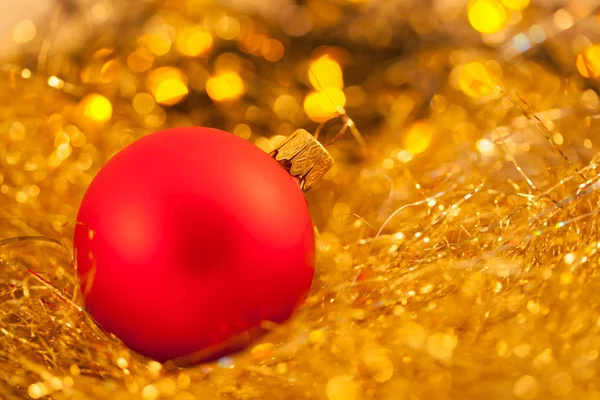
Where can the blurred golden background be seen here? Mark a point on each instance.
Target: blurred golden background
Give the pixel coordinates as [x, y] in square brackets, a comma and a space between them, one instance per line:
[457, 232]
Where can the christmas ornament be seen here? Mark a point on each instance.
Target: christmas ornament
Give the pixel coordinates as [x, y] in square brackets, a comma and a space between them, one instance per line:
[191, 237]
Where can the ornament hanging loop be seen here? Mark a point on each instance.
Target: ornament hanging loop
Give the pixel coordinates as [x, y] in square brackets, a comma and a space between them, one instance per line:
[348, 124]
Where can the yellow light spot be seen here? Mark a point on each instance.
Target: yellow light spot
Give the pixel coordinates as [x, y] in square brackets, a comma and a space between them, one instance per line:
[21, 197]
[388, 163]
[37, 390]
[74, 370]
[272, 50]
[150, 392]
[533, 307]
[253, 42]
[475, 80]
[418, 137]
[569, 258]
[398, 311]
[516, 5]
[441, 346]
[13, 157]
[154, 366]
[243, 131]
[262, 349]
[344, 261]
[281, 368]
[590, 98]
[413, 335]
[225, 86]
[140, 60]
[588, 62]
[342, 387]
[375, 359]
[486, 16]
[522, 350]
[587, 143]
[26, 74]
[195, 43]
[159, 45]
[56, 82]
[24, 31]
[121, 362]
[183, 381]
[96, 107]
[526, 388]
[485, 147]
[264, 144]
[566, 278]
[325, 73]
[285, 106]
[558, 138]
[170, 91]
[356, 95]
[227, 28]
[228, 62]
[438, 103]
[143, 103]
[321, 105]
[561, 384]
[563, 19]
[56, 383]
[34, 190]
[17, 131]
[317, 337]
[404, 156]
[168, 85]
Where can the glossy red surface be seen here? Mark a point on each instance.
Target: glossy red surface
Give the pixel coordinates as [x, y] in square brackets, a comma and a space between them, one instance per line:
[190, 236]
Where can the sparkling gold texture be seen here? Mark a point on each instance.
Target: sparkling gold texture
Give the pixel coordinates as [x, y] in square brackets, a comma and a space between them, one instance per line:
[457, 241]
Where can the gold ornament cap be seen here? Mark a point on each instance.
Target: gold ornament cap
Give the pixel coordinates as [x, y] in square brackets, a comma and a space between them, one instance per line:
[304, 157]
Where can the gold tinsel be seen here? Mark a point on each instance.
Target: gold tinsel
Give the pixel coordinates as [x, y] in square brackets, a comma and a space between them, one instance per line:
[457, 247]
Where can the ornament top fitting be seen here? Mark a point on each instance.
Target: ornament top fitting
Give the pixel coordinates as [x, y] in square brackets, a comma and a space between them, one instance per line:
[304, 157]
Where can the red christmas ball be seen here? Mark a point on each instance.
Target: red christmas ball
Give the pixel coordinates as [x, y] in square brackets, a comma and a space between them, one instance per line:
[190, 237]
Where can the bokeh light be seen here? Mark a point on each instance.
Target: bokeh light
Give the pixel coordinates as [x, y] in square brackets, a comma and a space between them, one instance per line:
[194, 42]
[487, 16]
[272, 50]
[588, 62]
[140, 60]
[225, 86]
[325, 73]
[170, 91]
[24, 31]
[97, 108]
[418, 137]
[475, 80]
[168, 85]
[322, 105]
[485, 146]
[516, 5]
[227, 28]
[143, 103]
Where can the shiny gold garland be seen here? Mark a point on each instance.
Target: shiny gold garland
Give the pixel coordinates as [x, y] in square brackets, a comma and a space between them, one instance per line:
[457, 250]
